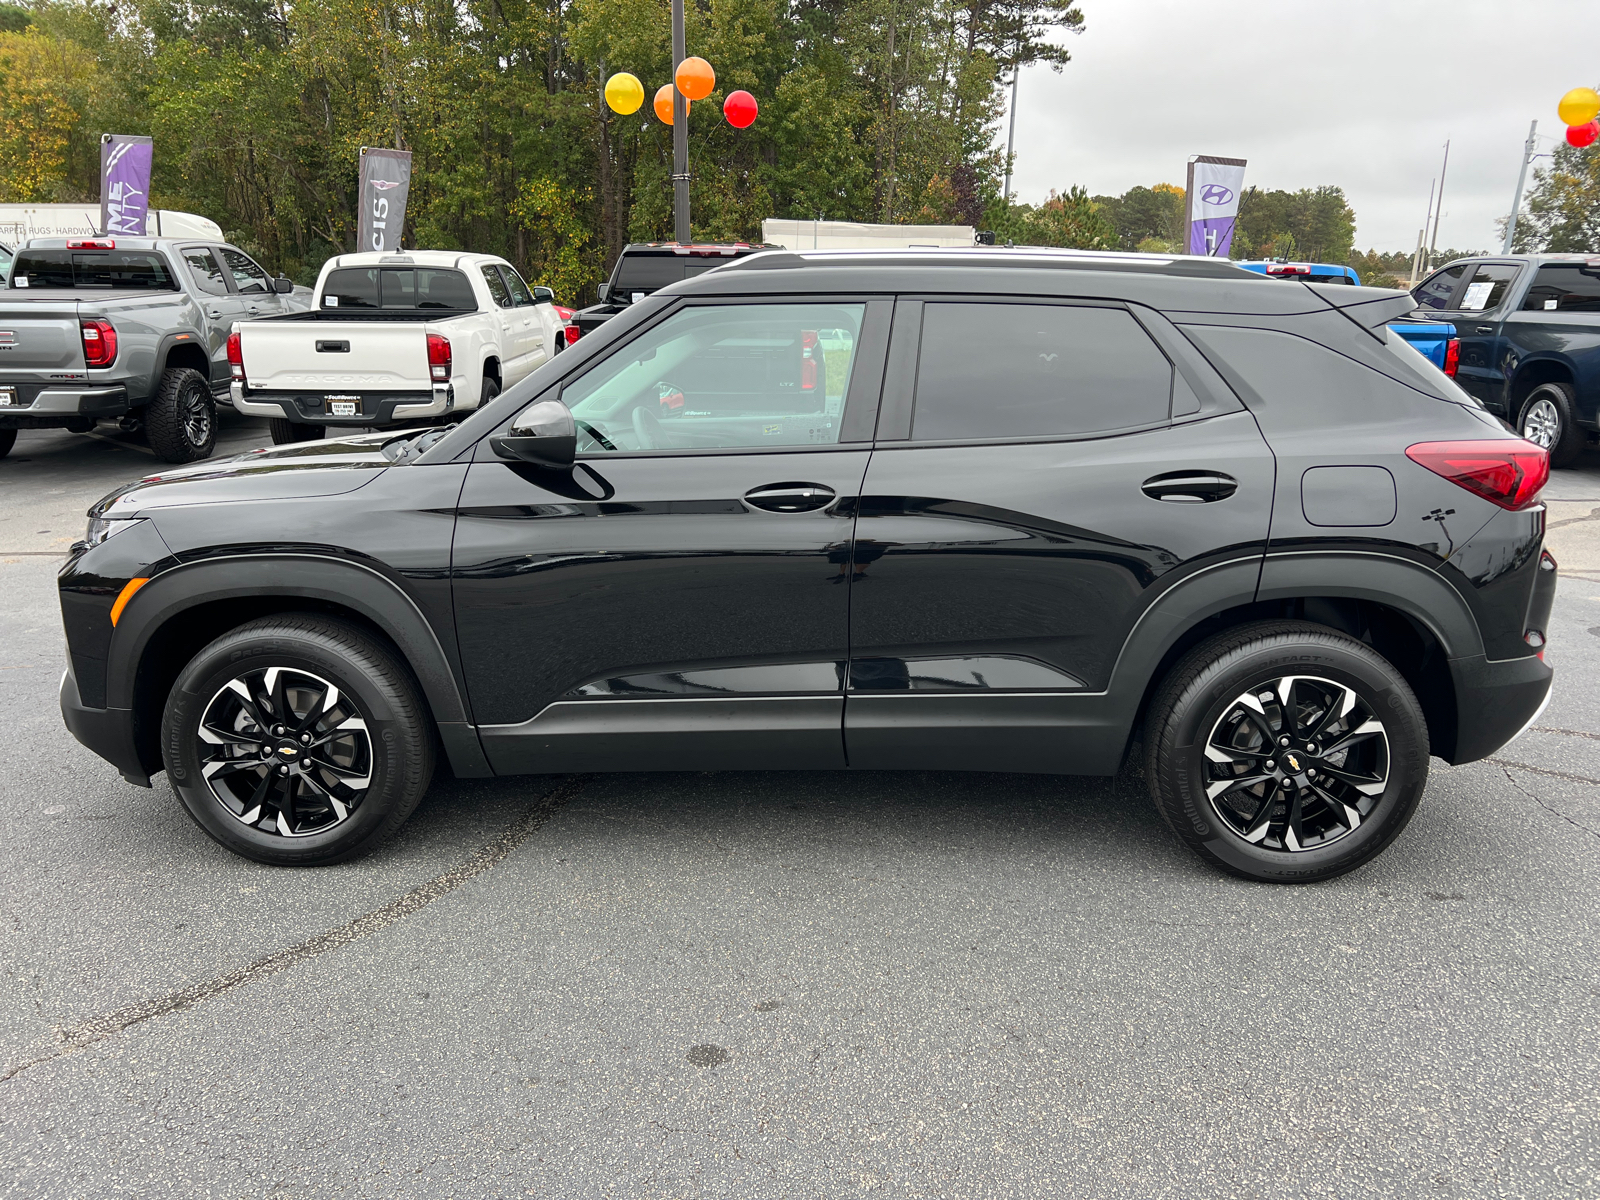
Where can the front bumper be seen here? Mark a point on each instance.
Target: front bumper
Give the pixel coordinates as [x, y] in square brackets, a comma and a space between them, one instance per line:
[56, 405]
[309, 408]
[1495, 701]
[106, 731]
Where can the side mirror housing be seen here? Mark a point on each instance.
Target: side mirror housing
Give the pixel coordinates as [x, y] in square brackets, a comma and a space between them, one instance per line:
[543, 295]
[603, 291]
[283, 285]
[543, 434]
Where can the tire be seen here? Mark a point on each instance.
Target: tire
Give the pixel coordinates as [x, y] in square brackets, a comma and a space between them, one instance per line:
[491, 389]
[285, 432]
[1549, 418]
[370, 754]
[180, 421]
[1201, 729]
[8, 439]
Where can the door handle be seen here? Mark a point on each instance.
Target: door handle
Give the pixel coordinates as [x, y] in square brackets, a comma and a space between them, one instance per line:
[1484, 329]
[213, 312]
[255, 308]
[1190, 487]
[790, 497]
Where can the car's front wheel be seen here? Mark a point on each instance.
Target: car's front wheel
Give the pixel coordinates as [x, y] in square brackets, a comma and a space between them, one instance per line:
[1286, 752]
[180, 421]
[1549, 418]
[297, 740]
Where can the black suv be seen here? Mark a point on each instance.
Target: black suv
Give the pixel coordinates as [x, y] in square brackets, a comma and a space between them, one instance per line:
[970, 510]
[644, 268]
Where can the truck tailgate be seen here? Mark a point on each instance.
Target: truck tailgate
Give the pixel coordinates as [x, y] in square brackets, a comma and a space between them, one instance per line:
[39, 338]
[335, 356]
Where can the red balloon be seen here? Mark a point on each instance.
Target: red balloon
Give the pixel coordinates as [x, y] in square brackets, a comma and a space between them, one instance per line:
[740, 109]
[1583, 135]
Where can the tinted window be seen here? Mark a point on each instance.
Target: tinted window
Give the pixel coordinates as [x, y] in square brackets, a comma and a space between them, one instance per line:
[1487, 287]
[751, 376]
[497, 286]
[119, 269]
[1036, 370]
[398, 288]
[1565, 288]
[519, 290]
[1435, 291]
[647, 272]
[247, 277]
[204, 271]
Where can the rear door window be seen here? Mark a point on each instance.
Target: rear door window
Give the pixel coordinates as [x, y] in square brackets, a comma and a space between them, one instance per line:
[1438, 289]
[496, 285]
[1487, 288]
[1565, 287]
[996, 371]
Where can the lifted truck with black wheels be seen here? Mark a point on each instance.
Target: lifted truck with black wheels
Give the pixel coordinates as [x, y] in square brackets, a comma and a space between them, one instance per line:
[127, 329]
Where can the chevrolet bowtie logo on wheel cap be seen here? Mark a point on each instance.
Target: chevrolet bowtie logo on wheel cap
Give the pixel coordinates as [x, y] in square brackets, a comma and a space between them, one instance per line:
[287, 751]
[1294, 763]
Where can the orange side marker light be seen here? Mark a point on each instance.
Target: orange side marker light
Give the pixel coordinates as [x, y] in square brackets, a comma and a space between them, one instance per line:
[128, 589]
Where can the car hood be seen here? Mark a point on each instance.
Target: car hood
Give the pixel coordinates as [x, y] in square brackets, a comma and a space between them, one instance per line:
[326, 468]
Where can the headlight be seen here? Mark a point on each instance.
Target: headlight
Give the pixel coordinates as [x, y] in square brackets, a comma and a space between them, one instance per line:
[100, 528]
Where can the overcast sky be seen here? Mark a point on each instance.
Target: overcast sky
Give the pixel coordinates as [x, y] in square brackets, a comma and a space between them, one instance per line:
[1357, 93]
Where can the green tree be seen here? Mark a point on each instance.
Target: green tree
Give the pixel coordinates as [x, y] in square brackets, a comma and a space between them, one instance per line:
[1562, 214]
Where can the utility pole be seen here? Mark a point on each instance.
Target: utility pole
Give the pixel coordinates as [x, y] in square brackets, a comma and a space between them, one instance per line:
[1438, 210]
[1422, 235]
[1011, 137]
[680, 133]
[1522, 178]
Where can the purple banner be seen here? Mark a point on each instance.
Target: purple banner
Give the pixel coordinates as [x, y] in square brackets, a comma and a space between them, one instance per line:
[125, 162]
[1212, 201]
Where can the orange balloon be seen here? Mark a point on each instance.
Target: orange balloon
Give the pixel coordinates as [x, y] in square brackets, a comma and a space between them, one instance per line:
[695, 78]
[663, 104]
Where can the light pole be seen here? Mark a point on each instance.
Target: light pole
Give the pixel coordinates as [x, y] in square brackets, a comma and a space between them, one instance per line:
[1522, 178]
[1011, 137]
[680, 133]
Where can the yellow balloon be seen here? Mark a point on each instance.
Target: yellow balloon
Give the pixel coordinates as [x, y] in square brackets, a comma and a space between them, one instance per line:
[624, 93]
[1579, 106]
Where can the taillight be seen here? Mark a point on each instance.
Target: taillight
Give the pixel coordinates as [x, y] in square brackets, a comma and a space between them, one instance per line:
[236, 355]
[1452, 357]
[573, 333]
[99, 343]
[1509, 472]
[439, 358]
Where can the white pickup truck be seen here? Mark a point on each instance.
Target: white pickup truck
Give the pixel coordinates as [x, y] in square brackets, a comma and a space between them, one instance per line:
[391, 339]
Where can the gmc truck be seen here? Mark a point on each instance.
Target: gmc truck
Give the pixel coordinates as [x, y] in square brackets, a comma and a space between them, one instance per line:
[645, 267]
[392, 339]
[133, 330]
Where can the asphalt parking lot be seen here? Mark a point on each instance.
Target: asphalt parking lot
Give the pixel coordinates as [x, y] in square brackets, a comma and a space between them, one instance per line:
[786, 984]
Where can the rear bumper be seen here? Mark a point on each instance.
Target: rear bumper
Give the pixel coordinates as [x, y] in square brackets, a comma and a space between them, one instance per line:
[57, 405]
[106, 731]
[1495, 701]
[308, 408]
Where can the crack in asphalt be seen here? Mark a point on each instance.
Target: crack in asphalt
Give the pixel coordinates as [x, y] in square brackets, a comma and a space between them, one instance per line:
[1568, 732]
[1593, 515]
[1508, 766]
[96, 1029]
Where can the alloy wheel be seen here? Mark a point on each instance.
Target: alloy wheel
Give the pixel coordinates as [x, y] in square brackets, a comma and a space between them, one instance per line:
[1296, 763]
[1541, 424]
[285, 751]
[197, 417]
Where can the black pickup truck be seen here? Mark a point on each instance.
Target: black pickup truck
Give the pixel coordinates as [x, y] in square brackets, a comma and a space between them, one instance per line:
[1530, 341]
[646, 267]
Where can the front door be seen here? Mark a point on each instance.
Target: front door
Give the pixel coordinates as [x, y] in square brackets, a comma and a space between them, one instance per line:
[1053, 474]
[681, 599]
[1481, 308]
[221, 305]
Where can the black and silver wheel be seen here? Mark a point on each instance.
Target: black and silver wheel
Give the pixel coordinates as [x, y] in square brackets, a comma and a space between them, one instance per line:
[1549, 419]
[296, 740]
[1286, 752]
[8, 439]
[180, 421]
[285, 432]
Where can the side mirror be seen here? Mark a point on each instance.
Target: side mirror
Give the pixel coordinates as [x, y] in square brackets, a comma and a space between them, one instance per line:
[543, 434]
[283, 285]
[543, 295]
[603, 291]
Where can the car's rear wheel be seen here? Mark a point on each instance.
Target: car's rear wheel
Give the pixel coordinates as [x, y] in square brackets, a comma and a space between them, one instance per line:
[180, 422]
[1286, 752]
[297, 740]
[8, 439]
[285, 432]
[1549, 419]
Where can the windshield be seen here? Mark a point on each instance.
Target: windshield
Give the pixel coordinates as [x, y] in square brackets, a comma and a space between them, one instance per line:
[121, 270]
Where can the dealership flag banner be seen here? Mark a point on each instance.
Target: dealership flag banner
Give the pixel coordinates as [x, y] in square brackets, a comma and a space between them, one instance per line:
[124, 183]
[385, 184]
[1213, 204]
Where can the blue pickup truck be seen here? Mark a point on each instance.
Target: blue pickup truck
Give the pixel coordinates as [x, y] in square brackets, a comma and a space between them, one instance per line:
[1530, 341]
[1435, 340]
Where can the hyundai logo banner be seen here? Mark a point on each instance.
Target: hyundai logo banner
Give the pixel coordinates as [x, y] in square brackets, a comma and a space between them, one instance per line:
[1213, 204]
[125, 162]
[385, 184]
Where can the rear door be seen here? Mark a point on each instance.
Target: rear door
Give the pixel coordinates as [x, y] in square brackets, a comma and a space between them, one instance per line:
[220, 303]
[505, 318]
[1482, 305]
[681, 599]
[1042, 472]
[530, 346]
